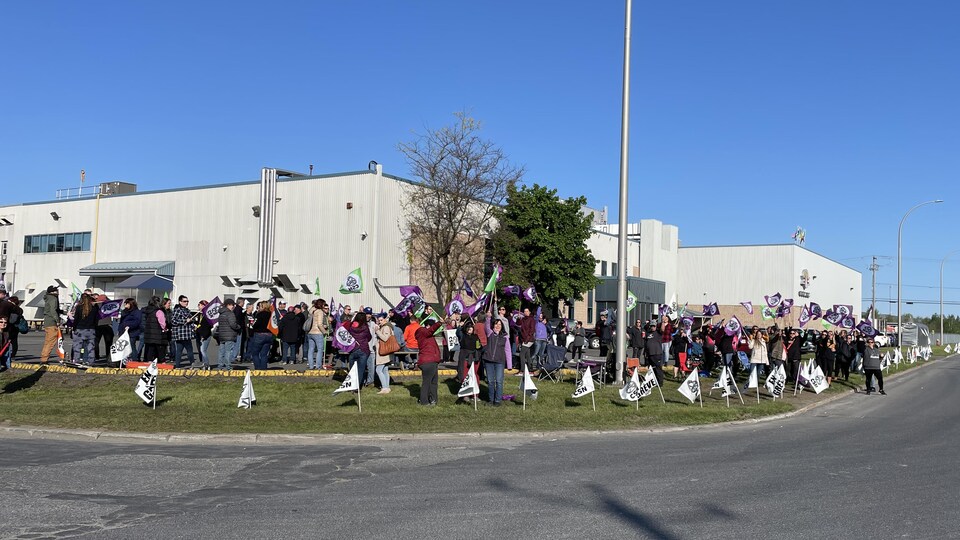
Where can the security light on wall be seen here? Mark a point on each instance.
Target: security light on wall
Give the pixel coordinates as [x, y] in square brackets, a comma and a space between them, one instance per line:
[55, 216]
[256, 211]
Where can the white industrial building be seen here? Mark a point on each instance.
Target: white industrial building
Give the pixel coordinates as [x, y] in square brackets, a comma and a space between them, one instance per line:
[729, 275]
[282, 234]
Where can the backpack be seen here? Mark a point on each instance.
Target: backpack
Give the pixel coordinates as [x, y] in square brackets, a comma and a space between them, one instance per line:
[308, 322]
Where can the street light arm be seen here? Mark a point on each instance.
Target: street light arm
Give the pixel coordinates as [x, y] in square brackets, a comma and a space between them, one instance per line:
[900, 266]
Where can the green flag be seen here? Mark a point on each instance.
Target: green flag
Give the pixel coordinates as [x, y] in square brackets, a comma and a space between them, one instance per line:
[492, 284]
[826, 325]
[631, 301]
[316, 290]
[75, 291]
[353, 283]
[166, 295]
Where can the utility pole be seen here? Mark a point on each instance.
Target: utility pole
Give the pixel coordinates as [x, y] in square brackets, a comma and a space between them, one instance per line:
[873, 286]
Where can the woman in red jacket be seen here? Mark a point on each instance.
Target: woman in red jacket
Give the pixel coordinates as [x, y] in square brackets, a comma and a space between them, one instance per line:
[428, 360]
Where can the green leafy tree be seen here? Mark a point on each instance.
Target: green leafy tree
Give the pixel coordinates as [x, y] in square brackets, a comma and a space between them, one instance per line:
[541, 240]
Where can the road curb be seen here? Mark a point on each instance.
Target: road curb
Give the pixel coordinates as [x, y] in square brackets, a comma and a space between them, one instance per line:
[299, 439]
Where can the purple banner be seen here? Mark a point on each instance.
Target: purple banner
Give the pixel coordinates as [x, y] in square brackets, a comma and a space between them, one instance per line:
[815, 311]
[774, 300]
[211, 312]
[747, 306]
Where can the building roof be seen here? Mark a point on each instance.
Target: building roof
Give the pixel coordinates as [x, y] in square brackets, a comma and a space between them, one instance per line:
[164, 268]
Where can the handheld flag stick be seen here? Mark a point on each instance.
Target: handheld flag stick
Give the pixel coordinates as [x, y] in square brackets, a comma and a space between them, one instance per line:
[359, 408]
[699, 392]
[661, 395]
[155, 390]
[796, 383]
[737, 388]
[594, 401]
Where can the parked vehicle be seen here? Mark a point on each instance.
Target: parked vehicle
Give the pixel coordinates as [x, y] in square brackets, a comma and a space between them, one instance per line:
[882, 340]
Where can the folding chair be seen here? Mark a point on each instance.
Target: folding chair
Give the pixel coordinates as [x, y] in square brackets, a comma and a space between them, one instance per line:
[632, 364]
[598, 368]
[551, 363]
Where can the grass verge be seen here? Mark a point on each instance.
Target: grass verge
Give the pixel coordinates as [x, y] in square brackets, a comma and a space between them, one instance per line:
[299, 405]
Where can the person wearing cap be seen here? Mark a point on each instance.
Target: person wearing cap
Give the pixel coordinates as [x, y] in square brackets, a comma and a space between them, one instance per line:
[51, 322]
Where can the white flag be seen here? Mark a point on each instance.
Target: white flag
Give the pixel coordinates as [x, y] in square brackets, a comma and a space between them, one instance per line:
[818, 382]
[584, 385]
[690, 387]
[947, 349]
[776, 381]
[121, 349]
[806, 372]
[724, 383]
[469, 386]
[351, 383]
[648, 384]
[527, 384]
[147, 385]
[898, 355]
[753, 381]
[247, 396]
[631, 390]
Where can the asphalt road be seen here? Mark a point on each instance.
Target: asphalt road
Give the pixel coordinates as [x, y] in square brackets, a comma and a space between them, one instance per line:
[859, 467]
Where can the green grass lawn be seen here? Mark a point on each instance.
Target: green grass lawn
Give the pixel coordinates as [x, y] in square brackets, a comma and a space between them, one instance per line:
[302, 405]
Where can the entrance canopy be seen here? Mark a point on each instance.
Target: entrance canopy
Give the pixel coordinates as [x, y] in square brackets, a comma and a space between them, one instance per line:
[156, 283]
[121, 269]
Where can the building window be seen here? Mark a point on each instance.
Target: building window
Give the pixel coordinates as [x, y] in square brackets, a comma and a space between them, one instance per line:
[590, 306]
[614, 269]
[603, 268]
[56, 243]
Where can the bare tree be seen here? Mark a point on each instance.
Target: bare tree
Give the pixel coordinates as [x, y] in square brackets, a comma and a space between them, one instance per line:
[461, 180]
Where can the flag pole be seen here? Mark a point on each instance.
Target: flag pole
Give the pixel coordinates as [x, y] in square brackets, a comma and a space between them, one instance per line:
[155, 381]
[661, 393]
[699, 391]
[737, 388]
[359, 387]
[796, 383]
[594, 401]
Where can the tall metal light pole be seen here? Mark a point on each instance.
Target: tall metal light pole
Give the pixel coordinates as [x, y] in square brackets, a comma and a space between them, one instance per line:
[943, 260]
[900, 267]
[622, 229]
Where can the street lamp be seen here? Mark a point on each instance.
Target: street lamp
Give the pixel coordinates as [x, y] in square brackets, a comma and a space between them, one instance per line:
[900, 267]
[943, 260]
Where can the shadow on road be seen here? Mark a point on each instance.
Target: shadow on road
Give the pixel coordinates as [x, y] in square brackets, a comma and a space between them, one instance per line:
[24, 383]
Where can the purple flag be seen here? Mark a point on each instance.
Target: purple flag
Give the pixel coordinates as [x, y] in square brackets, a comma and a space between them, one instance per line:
[847, 322]
[467, 289]
[471, 310]
[843, 309]
[664, 309]
[530, 294]
[832, 317]
[787, 303]
[773, 301]
[109, 309]
[711, 310]
[455, 306]
[406, 290]
[211, 312]
[815, 311]
[409, 304]
[783, 310]
[804, 316]
[343, 340]
[732, 327]
[511, 290]
[866, 328]
[499, 272]
[746, 305]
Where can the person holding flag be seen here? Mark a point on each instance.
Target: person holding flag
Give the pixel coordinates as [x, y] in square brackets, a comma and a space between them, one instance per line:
[871, 366]
[51, 322]
[495, 358]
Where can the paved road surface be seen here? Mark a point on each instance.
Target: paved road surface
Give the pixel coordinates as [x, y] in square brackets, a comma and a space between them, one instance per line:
[860, 467]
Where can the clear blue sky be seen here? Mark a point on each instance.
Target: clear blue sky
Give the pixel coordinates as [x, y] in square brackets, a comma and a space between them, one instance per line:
[749, 118]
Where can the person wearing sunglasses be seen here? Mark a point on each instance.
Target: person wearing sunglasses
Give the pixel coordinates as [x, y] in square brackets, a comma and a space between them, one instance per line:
[871, 366]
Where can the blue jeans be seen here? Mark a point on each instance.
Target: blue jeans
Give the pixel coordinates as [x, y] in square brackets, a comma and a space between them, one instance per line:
[258, 349]
[178, 348]
[136, 347]
[539, 348]
[383, 373]
[371, 366]
[360, 358]
[288, 352]
[236, 350]
[314, 349]
[83, 345]
[226, 354]
[494, 381]
[204, 358]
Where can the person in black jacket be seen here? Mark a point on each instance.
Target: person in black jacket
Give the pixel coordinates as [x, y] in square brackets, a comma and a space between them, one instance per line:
[653, 347]
[154, 323]
[204, 332]
[131, 321]
[291, 325]
[845, 353]
[792, 346]
[635, 339]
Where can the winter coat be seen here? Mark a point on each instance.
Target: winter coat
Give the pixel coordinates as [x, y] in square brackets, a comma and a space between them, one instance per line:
[635, 337]
[429, 351]
[227, 326]
[321, 325]
[182, 327]
[290, 327]
[496, 350]
[204, 329]
[261, 322]
[759, 354]
[579, 337]
[51, 310]
[653, 346]
[470, 347]
[152, 333]
[383, 334]
[132, 321]
[528, 329]
[361, 333]
[90, 321]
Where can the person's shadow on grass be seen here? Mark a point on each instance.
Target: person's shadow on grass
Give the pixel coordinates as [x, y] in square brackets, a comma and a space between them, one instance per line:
[23, 383]
[160, 402]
